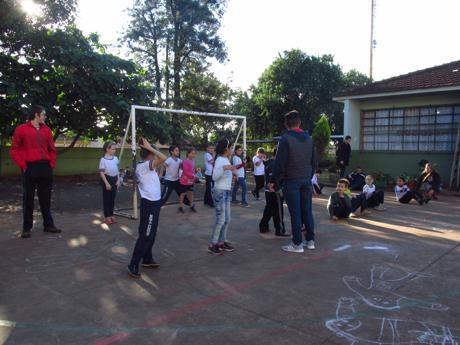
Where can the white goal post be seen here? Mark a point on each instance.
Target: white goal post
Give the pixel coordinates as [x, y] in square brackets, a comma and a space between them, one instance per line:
[132, 126]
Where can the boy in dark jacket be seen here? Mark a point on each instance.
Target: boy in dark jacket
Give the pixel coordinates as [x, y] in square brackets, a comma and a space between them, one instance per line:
[274, 203]
[339, 204]
[343, 155]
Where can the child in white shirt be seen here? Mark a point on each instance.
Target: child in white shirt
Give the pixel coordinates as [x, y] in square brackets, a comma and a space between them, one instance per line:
[150, 191]
[222, 176]
[374, 198]
[110, 180]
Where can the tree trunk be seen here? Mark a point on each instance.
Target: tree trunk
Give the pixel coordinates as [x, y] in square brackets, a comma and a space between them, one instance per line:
[72, 144]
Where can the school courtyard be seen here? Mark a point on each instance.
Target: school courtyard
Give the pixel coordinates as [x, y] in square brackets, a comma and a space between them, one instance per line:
[391, 277]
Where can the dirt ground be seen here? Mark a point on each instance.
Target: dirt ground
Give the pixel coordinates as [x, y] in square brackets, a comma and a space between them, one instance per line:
[391, 277]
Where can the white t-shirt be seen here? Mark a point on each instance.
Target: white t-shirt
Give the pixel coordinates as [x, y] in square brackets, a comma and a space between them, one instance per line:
[172, 168]
[208, 160]
[222, 178]
[258, 170]
[237, 161]
[314, 180]
[368, 190]
[400, 191]
[148, 181]
[109, 166]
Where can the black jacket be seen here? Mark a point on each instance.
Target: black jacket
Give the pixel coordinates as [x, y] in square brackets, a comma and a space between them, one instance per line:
[295, 157]
[343, 153]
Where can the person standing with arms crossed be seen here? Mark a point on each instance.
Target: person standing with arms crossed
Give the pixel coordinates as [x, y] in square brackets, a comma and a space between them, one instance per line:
[343, 155]
[295, 163]
[34, 152]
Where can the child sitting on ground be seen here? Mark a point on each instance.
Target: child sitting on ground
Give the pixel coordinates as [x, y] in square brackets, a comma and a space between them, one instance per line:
[317, 187]
[339, 204]
[357, 201]
[374, 198]
[150, 191]
[357, 179]
[403, 193]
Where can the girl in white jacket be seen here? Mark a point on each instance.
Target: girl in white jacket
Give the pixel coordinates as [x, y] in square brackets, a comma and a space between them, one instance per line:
[222, 176]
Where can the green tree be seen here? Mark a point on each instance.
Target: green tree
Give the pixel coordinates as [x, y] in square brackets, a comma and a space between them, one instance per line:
[167, 36]
[321, 135]
[297, 81]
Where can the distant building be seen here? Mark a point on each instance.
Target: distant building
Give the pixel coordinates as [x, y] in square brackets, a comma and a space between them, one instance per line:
[397, 122]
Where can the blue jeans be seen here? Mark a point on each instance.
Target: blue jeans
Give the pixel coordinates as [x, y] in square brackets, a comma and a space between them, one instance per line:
[241, 181]
[298, 194]
[222, 204]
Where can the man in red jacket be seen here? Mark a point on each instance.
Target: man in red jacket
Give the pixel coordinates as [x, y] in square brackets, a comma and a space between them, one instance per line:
[34, 152]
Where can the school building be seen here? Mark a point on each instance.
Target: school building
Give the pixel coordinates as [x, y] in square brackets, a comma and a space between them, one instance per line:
[397, 122]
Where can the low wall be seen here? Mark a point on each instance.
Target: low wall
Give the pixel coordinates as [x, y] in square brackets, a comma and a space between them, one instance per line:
[78, 161]
[396, 163]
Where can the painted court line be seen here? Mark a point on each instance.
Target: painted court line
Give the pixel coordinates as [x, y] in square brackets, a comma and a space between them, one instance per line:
[203, 303]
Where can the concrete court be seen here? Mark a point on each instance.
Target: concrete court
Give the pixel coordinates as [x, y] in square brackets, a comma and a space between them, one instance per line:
[391, 277]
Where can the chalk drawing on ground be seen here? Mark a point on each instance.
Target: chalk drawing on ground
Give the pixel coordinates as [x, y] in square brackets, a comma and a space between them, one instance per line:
[384, 328]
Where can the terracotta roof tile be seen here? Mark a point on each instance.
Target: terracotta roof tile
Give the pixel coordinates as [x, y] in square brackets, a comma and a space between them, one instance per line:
[434, 77]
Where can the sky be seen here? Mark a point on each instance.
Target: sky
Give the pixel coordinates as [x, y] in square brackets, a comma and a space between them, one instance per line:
[410, 34]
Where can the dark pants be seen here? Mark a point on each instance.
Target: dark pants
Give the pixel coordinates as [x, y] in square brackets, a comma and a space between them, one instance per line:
[298, 194]
[377, 198]
[273, 208]
[342, 168]
[406, 198]
[38, 175]
[148, 224]
[359, 201]
[260, 182]
[208, 192]
[357, 185]
[108, 196]
[341, 211]
[318, 188]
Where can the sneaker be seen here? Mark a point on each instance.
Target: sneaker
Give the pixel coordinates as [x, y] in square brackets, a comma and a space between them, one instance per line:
[353, 215]
[380, 208]
[226, 246]
[150, 264]
[52, 229]
[133, 272]
[25, 234]
[193, 209]
[181, 210]
[291, 247]
[245, 205]
[308, 244]
[215, 250]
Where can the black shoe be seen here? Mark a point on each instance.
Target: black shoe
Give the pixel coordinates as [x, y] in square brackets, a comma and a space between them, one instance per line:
[254, 195]
[192, 208]
[427, 201]
[215, 250]
[25, 234]
[264, 231]
[420, 201]
[52, 229]
[227, 247]
[134, 272]
[181, 210]
[150, 264]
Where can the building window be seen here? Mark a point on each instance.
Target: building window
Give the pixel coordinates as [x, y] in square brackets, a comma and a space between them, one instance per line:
[410, 129]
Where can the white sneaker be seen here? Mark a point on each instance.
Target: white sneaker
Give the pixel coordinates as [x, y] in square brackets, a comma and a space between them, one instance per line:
[291, 247]
[380, 208]
[308, 244]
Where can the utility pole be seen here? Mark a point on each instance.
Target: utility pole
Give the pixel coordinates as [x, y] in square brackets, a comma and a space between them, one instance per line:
[372, 42]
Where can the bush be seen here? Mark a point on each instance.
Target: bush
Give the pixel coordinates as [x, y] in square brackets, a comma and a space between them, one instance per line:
[321, 135]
